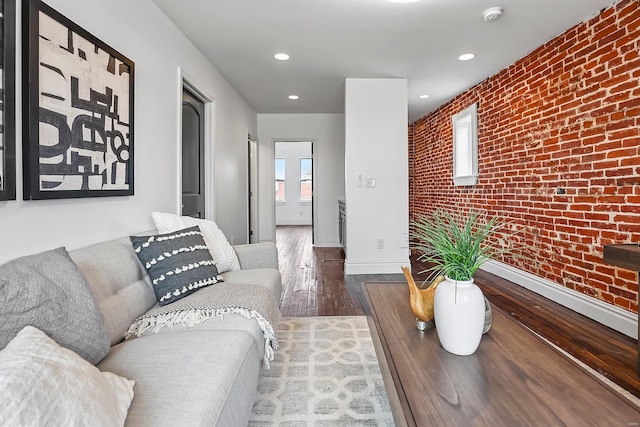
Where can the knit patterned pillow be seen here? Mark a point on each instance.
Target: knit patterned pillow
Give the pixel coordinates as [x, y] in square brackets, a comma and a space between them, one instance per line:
[178, 263]
[48, 292]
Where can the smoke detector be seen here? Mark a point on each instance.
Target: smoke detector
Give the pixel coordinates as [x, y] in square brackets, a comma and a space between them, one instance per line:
[492, 14]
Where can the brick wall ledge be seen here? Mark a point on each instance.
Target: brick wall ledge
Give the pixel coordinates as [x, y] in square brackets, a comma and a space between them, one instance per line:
[609, 315]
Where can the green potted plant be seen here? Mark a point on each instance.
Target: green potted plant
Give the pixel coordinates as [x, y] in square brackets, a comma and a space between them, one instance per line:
[455, 246]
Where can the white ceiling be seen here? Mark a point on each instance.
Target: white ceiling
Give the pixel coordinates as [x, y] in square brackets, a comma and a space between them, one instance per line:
[330, 40]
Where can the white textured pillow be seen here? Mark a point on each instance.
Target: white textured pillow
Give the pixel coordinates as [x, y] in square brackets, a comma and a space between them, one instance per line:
[42, 383]
[221, 251]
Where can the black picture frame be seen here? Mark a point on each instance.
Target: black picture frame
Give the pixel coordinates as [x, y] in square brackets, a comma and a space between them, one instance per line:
[8, 101]
[77, 110]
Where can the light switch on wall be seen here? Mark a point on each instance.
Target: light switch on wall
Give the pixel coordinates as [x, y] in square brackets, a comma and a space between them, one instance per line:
[370, 183]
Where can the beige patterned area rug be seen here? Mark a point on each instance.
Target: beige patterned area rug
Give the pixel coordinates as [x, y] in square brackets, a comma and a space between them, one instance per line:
[325, 374]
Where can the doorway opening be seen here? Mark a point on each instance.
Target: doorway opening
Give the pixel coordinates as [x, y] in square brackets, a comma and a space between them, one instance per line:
[193, 147]
[294, 184]
[252, 167]
[195, 184]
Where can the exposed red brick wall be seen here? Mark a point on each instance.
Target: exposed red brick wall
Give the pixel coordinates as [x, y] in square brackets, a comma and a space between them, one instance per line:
[411, 166]
[565, 118]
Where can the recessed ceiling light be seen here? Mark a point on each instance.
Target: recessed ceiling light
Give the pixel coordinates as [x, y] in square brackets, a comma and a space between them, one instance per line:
[294, 97]
[281, 56]
[424, 96]
[466, 56]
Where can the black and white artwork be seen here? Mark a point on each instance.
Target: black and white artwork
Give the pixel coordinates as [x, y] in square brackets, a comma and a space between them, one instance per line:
[79, 114]
[7, 100]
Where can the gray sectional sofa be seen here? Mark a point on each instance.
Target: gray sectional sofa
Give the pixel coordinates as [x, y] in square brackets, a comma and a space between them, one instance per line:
[200, 375]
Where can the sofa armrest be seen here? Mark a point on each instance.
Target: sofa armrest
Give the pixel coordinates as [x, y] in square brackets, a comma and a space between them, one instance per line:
[257, 255]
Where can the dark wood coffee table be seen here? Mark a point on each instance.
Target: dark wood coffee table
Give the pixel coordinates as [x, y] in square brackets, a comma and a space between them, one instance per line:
[514, 379]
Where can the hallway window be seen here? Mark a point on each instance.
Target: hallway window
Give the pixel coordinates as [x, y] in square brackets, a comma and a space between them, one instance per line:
[306, 179]
[465, 146]
[280, 177]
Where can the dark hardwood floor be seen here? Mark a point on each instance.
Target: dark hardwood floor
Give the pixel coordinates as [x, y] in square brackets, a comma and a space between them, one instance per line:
[312, 278]
[314, 285]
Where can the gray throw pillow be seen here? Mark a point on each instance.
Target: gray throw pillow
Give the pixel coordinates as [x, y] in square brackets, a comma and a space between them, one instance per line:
[48, 292]
[178, 263]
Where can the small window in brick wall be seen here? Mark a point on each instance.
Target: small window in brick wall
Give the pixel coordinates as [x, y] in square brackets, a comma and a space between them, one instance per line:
[465, 146]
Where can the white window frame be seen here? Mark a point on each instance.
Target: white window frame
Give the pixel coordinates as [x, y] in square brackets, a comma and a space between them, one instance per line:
[465, 141]
[304, 202]
[284, 181]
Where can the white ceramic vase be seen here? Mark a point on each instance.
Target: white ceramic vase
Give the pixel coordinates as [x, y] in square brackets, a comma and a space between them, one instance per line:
[459, 312]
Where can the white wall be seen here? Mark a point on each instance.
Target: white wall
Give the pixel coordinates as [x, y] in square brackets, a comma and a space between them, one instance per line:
[139, 30]
[327, 131]
[293, 211]
[376, 147]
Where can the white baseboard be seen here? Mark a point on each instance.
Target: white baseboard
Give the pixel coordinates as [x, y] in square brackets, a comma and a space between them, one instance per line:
[375, 267]
[614, 317]
[293, 222]
[327, 245]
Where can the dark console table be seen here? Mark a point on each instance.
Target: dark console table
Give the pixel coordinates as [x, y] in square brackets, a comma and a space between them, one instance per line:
[514, 379]
[625, 256]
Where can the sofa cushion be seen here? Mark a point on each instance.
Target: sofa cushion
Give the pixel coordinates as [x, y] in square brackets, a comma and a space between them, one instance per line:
[267, 277]
[118, 282]
[270, 278]
[228, 322]
[257, 255]
[178, 263]
[48, 291]
[221, 251]
[42, 383]
[193, 378]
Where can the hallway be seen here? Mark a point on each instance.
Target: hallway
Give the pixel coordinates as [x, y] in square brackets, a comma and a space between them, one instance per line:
[312, 278]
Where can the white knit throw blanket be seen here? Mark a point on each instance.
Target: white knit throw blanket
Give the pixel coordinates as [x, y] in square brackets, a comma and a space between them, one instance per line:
[251, 301]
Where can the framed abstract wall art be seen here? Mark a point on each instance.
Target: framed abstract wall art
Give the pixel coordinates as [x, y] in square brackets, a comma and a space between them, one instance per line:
[7, 100]
[78, 110]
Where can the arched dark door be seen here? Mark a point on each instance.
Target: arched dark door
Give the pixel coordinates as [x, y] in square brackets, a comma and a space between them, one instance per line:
[193, 183]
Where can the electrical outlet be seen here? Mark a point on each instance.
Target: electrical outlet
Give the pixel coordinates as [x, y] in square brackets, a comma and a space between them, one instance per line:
[370, 183]
[380, 243]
